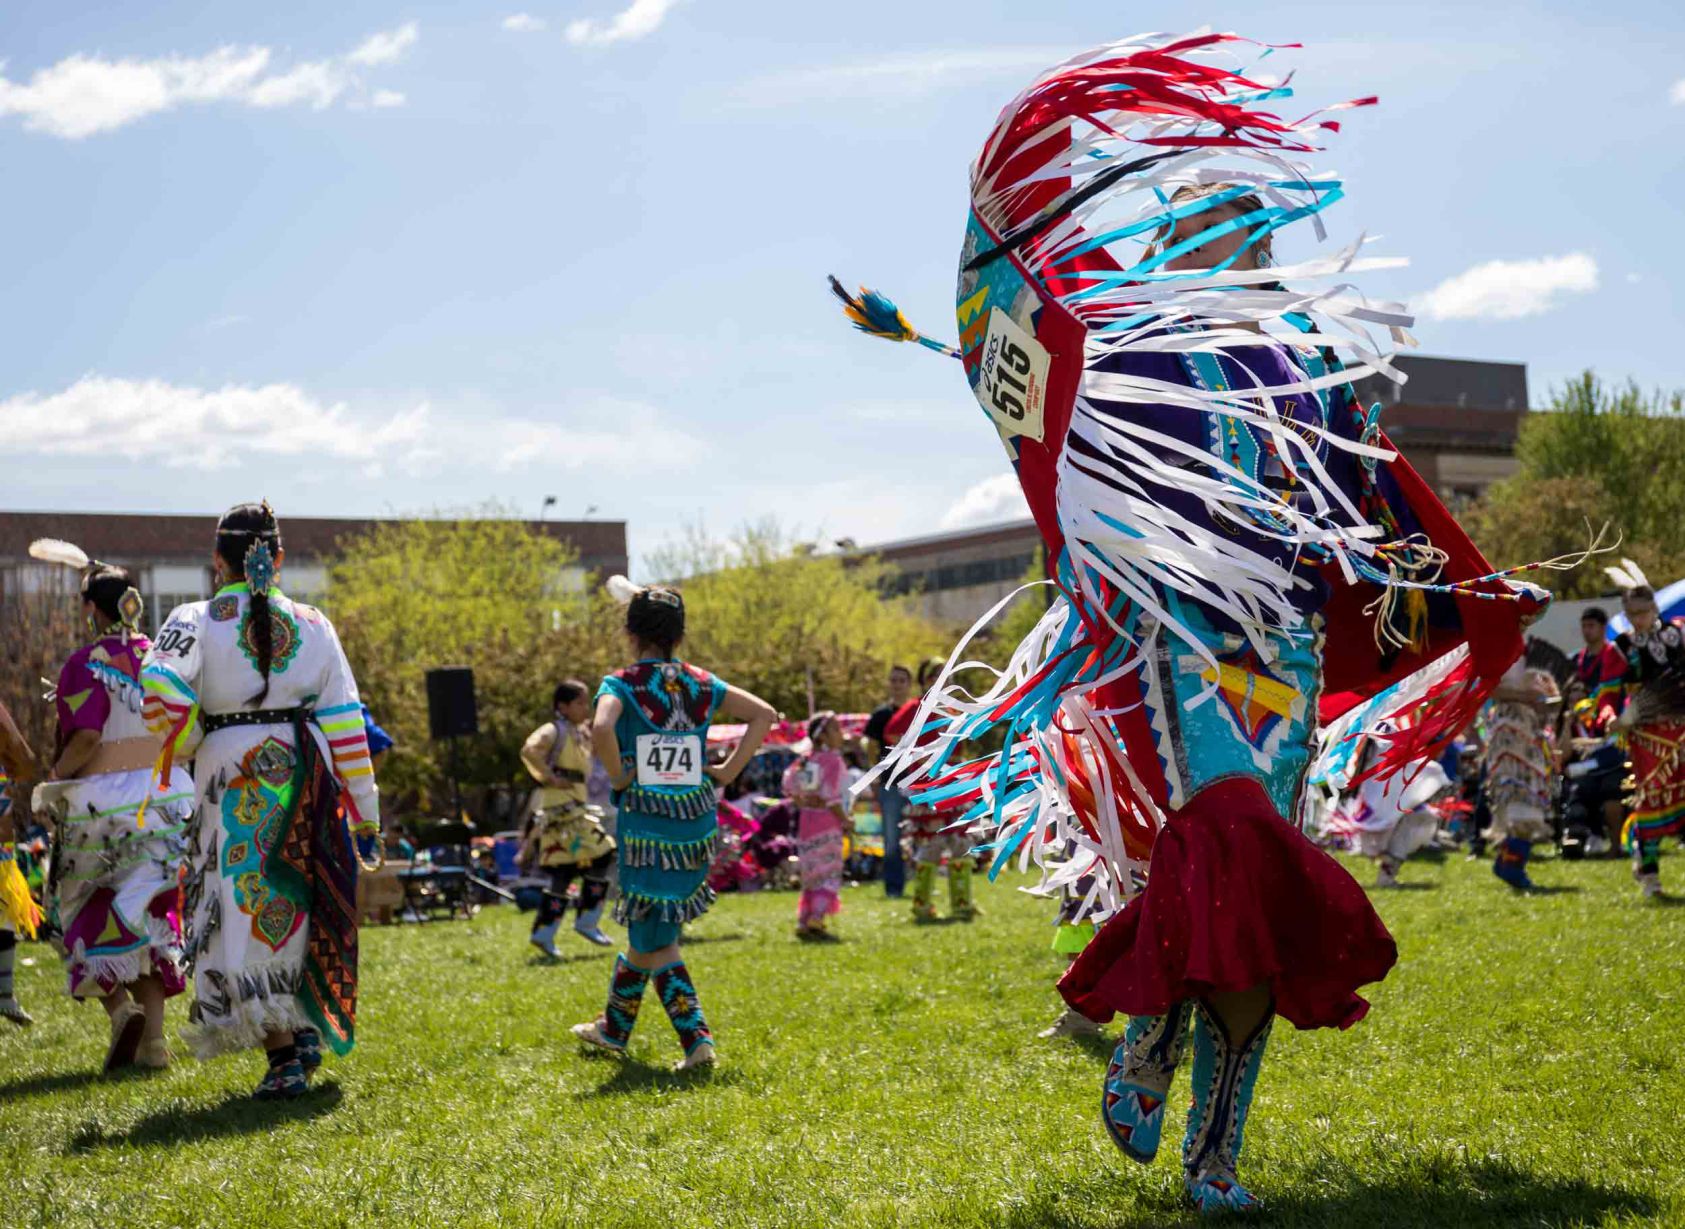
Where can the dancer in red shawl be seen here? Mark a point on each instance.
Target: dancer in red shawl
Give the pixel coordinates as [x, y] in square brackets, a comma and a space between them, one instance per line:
[1238, 552]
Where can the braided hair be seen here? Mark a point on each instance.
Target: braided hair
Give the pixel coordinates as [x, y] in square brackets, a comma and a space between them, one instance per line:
[112, 591]
[248, 541]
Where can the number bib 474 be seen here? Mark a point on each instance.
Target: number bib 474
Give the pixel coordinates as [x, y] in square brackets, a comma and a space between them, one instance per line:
[670, 760]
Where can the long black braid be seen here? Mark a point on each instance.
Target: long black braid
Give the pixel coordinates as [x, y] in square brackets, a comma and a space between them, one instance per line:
[242, 528]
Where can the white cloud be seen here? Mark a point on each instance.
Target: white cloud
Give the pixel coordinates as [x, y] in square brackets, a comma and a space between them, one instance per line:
[901, 76]
[385, 46]
[83, 95]
[639, 19]
[989, 502]
[524, 23]
[1509, 289]
[318, 83]
[387, 98]
[1676, 95]
[179, 427]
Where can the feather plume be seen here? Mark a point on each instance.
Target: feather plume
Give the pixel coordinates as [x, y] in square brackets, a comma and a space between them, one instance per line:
[53, 550]
[1626, 574]
[17, 907]
[876, 314]
[621, 589]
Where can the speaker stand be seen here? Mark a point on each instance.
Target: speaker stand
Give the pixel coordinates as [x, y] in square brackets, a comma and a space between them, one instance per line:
[456, 782]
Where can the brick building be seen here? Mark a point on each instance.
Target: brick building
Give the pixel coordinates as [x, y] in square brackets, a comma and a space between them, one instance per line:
[1455, 419]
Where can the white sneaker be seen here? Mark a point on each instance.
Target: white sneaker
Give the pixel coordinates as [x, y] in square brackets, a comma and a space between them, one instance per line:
[593, 934]
[1070, 1024]
[591, 1033]
[1596, 846]
[1386, 876]
[544, 939]
[1649, 885]
[11, 1010]
[701, 1056]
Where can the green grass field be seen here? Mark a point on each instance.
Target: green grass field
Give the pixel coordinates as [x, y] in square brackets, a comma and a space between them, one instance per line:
[1521, 1067]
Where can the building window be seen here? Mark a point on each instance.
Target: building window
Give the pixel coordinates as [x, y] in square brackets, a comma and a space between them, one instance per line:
[962, 575]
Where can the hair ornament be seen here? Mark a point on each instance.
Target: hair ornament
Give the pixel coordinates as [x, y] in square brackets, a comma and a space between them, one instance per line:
[621, 589]
[259, 566]
[130, 607]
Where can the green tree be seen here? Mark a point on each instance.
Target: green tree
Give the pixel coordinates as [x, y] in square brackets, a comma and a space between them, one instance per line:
[40, 626]
[1595, 455]
[483, 591]
[772, 615]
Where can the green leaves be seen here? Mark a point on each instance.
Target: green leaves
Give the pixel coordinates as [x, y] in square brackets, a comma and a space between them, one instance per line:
[485, 591]
[764, 612]
[771, 614]
[1595, 454]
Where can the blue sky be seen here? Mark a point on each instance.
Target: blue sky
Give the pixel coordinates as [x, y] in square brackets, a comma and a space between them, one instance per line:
[366, 258]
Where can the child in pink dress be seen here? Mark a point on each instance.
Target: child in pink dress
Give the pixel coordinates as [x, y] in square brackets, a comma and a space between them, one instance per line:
[816, 783]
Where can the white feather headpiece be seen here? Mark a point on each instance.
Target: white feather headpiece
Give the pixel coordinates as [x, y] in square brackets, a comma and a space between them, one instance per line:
[1627, 575]
[53, 550]
[622, 590]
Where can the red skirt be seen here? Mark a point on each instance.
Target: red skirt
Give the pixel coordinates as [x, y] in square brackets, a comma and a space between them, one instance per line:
[1236, 897]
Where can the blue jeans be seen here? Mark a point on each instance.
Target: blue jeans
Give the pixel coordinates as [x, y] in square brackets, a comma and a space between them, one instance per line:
[890, 801]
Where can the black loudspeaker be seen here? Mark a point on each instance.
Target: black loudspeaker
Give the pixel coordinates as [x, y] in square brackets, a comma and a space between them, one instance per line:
[451, 710]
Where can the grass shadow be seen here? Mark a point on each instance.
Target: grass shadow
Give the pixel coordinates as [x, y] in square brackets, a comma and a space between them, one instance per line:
[1415, 886]
[1553, 889]
[62, 1081]
[540, 961]
[631, 1078]
[736, 936]
[236, 1114]
[1466, 1193]
[1441, 1192]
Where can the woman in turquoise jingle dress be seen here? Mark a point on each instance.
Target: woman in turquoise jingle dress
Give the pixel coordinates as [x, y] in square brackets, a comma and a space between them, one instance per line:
[651, 733]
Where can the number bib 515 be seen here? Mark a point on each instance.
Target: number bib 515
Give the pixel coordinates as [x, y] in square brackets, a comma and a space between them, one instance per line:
[670, 760]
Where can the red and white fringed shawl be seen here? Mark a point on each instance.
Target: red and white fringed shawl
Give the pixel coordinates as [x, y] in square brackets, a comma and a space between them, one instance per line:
[1070, 192]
